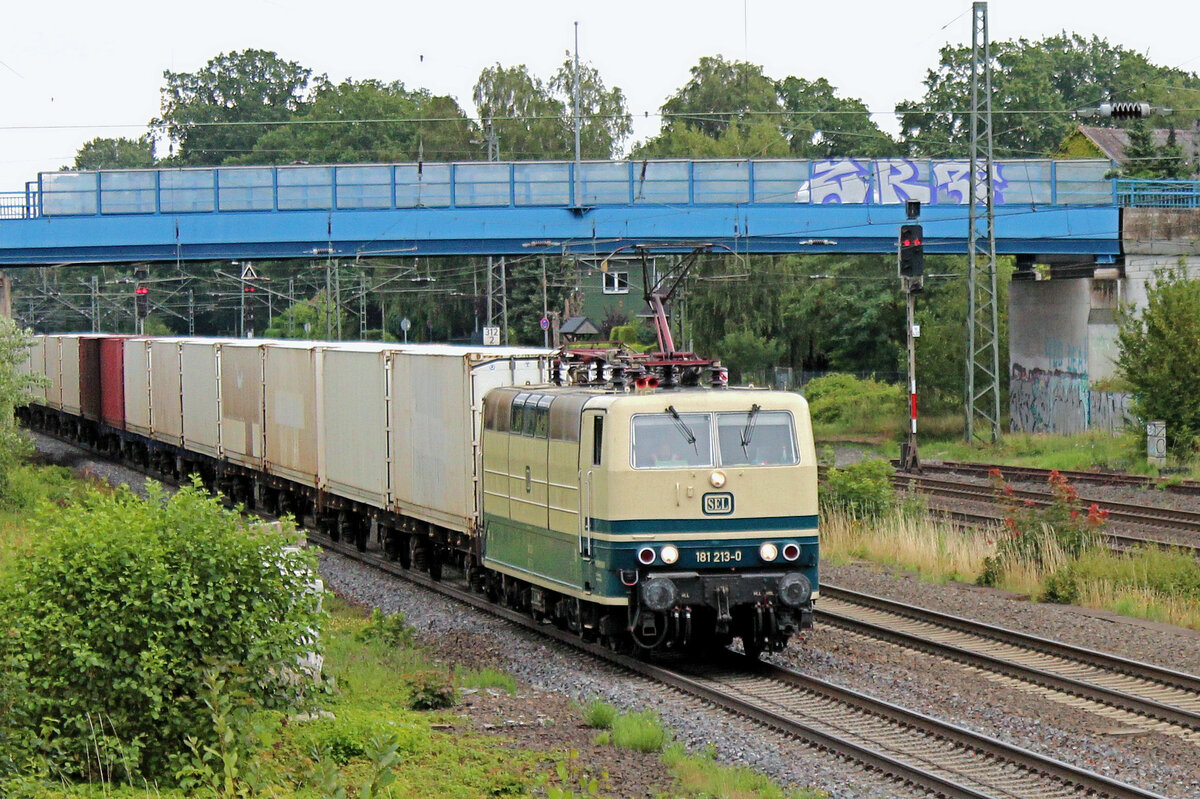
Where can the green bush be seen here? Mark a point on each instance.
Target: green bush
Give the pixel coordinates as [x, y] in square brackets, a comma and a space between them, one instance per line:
[862, 489]
[844, 399]
[641, 732]
[391, 629]
[599, 714]
[430, 690]
[109, 622]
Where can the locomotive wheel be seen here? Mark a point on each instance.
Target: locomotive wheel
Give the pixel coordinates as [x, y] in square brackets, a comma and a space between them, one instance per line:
[418, 555]
[403, 549]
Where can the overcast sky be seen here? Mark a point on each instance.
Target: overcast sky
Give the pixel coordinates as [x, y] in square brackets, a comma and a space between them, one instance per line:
[71, 71]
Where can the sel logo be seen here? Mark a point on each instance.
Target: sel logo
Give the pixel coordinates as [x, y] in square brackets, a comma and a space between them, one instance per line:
[718, 504]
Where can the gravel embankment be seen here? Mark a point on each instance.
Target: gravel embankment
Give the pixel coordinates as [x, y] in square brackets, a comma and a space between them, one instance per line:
[1123, 748]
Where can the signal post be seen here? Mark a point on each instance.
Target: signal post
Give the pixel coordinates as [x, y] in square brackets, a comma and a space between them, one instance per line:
[911, 263]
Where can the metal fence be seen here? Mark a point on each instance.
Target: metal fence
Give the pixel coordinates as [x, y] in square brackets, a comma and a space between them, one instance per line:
[1158, 193]
[885, 181]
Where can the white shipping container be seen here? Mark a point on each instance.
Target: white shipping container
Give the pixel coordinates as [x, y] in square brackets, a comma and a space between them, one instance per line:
[291, 422]
[241, 409]
[201, 404]
[166, 391]
[436, 406]
[37, 366]
[136, 366]
[354, 421]
[68, 369]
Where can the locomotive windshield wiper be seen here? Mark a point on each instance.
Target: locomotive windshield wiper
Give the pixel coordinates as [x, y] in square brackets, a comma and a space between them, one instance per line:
[748, 430]
[683, 428]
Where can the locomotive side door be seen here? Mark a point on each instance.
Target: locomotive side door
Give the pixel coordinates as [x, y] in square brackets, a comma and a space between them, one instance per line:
[593, 451]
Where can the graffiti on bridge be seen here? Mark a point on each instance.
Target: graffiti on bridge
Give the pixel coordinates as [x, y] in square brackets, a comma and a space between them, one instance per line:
[1062, 402]
[897, 180]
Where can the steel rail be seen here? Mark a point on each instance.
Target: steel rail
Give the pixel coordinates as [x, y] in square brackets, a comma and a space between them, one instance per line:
[1067, 780]
[1030, 473]
[1118, 542]
[914, 768]
[1118, 682]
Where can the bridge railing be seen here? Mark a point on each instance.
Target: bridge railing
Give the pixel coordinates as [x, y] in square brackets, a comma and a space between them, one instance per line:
[19, 204]
[1158, 193]
[564, 184]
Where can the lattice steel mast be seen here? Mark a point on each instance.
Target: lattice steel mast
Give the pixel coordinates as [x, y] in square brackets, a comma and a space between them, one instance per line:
[983, 317]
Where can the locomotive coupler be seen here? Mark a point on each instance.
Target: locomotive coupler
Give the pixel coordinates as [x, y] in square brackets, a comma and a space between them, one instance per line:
[724, 618]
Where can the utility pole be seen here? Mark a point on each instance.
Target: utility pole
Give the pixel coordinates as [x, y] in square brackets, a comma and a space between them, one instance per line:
[504, 298]
[575, 92]
[545, 309]
[983, 324]
[95, 303]
[362, 304]
[191, 311]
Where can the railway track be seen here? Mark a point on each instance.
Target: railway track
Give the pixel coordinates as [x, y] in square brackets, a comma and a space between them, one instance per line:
[942, 758]
[1119, 542]
[934, 756]
[1178, 520]
[1138, 694]
[1188, 521]
[1031, 474]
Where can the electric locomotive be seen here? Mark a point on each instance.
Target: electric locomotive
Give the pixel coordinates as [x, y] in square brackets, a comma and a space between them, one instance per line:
[672, 518]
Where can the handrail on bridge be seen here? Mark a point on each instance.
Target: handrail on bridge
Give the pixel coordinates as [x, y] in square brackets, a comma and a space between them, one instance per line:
[1133, 193]
[579, 187]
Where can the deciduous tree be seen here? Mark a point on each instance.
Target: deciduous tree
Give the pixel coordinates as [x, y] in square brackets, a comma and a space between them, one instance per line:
[522, 113]
[118, 153]
[209, 116]
[1160, 357]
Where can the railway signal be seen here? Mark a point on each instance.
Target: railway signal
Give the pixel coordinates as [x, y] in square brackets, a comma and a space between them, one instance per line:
[912, 251]
[141, 293]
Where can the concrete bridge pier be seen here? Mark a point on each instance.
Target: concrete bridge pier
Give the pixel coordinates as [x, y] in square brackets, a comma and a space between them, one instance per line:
[1063, 325]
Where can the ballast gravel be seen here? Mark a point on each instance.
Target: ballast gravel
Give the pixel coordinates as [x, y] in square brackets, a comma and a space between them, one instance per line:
[464, 636]
[1166, 761]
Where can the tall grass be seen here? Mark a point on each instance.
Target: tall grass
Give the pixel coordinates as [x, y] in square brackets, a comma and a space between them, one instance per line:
[1152, 584]
[935, 549]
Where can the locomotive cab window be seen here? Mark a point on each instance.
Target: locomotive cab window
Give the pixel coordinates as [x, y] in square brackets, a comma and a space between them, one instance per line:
[756, 438]
[672, 441]
[516, 421]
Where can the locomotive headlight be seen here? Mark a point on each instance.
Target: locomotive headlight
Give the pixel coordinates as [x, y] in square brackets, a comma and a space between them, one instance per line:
[669, 554]
[717, 478]
[646, 556]
[768, 552]
[791, 551]
[795, 589]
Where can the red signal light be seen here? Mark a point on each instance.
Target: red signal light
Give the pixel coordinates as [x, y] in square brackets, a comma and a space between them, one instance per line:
[249, 290]
[141, 290]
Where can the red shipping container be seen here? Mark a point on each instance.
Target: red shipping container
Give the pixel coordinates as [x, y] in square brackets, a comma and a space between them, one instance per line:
[89, 377]
[112, 381]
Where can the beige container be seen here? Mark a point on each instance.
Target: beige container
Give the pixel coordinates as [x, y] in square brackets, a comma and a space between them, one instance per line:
[354, 422]
[436, 406]
[68, 371]
[35, 365]
[166, 390]
[200, 374]
[291, 405]
[241, 408]
[136, 367]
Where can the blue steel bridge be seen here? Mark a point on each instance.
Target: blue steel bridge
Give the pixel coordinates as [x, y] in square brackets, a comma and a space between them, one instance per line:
[1042, 208]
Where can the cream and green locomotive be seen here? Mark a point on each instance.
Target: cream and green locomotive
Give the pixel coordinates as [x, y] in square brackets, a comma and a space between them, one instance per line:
[675, 518]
